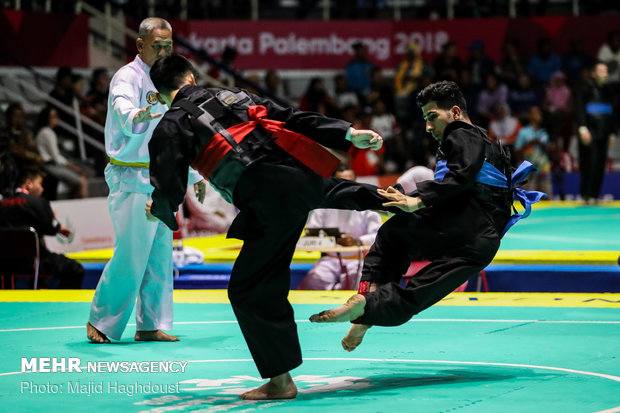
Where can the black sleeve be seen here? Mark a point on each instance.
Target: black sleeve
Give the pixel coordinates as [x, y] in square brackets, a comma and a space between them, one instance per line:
[464, 151]
[328, 132]
[580, 107]
[171, 150]
[41, 215]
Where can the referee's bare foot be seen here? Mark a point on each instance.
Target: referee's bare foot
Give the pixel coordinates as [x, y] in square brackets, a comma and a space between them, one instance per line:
[154, 335]
[354, 337]
[352, 309]
[279, 387]
[95, 336]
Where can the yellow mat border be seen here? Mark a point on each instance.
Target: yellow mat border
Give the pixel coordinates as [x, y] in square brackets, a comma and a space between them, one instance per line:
[585, 300]
[502, 257]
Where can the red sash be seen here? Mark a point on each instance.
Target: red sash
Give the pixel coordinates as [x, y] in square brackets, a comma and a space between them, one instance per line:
[305, 150]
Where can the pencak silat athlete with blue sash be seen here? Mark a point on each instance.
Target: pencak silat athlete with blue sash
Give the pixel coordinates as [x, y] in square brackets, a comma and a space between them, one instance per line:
[455, 221]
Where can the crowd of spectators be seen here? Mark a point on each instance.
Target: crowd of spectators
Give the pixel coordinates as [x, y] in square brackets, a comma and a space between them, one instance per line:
[500, 96]
[45, 146]
[536, 93]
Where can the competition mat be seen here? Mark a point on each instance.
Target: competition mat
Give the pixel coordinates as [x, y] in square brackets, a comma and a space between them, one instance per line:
[469, 353]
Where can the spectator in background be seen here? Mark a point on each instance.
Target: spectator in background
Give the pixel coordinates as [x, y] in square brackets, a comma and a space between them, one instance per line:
[64, 93]
[407, 80]
[365, 162]
[344, 96]
[512, 66]
[229, 55]
[274, 85]
[17, 141]
[27, 208]
[448, 65]
[409, 71]
[575, 61]
[380, 89]
[545, 63]
[597, 122]
[609, 53]
[87, 109]
[358, 71]
[478, 63]
[504, 127]
[316, 99]
[97, 95]
[56, 164]
[523, 97]
[410, 179]
[558, 109]
[384, 123]
[471, 92]
[532, 145]
[97, 99]
[350, 113]
[356, 228]
[493, 95]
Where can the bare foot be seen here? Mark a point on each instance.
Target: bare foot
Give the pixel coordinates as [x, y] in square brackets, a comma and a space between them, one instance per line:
[354, 337]
[154, 335]
[279, 387]
[95, 336]
[352, 309]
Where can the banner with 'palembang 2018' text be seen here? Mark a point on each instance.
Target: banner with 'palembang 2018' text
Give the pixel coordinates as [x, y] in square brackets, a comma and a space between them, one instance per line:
[328, 45]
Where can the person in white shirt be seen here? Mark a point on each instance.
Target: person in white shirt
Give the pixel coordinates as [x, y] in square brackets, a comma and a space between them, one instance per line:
[410, 179]
[213, 215]
[55, 163]
[142, 262]
[356, 228]
[610, 54]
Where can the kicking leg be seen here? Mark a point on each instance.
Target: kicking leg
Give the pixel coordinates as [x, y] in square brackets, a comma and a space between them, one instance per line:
[354, 337]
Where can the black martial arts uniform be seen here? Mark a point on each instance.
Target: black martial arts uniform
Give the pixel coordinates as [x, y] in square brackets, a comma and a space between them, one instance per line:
[25, 210]
[597, 110]
[273, 190]
[459, 231]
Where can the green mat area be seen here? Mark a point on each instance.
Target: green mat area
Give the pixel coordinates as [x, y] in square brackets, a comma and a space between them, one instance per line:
[566, 228]
[449, 358]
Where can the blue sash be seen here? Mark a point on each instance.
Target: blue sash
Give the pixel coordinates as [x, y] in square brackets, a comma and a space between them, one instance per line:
[599, 108]
[490, 175]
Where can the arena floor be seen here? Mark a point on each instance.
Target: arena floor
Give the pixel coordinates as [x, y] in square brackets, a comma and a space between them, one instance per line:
[485, 352]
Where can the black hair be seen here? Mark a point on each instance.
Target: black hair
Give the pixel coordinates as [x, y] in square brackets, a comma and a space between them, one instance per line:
[12, 108]
[62, 73]
[168, 73]
[445, 94]
[43, 118]
[229, 54]
[28, 173]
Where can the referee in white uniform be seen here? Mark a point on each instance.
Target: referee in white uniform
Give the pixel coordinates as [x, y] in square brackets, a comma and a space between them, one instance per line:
[142, 262]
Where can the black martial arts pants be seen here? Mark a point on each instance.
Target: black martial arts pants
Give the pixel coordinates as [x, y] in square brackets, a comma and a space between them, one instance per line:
[274, 197]
[592, 163]
[456, 255]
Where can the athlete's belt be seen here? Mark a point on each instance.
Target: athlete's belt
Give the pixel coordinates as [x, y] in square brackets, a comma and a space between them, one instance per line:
[134, 164]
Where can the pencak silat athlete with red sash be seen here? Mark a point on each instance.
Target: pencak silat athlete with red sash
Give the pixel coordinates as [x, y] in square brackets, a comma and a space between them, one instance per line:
[269, 161]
